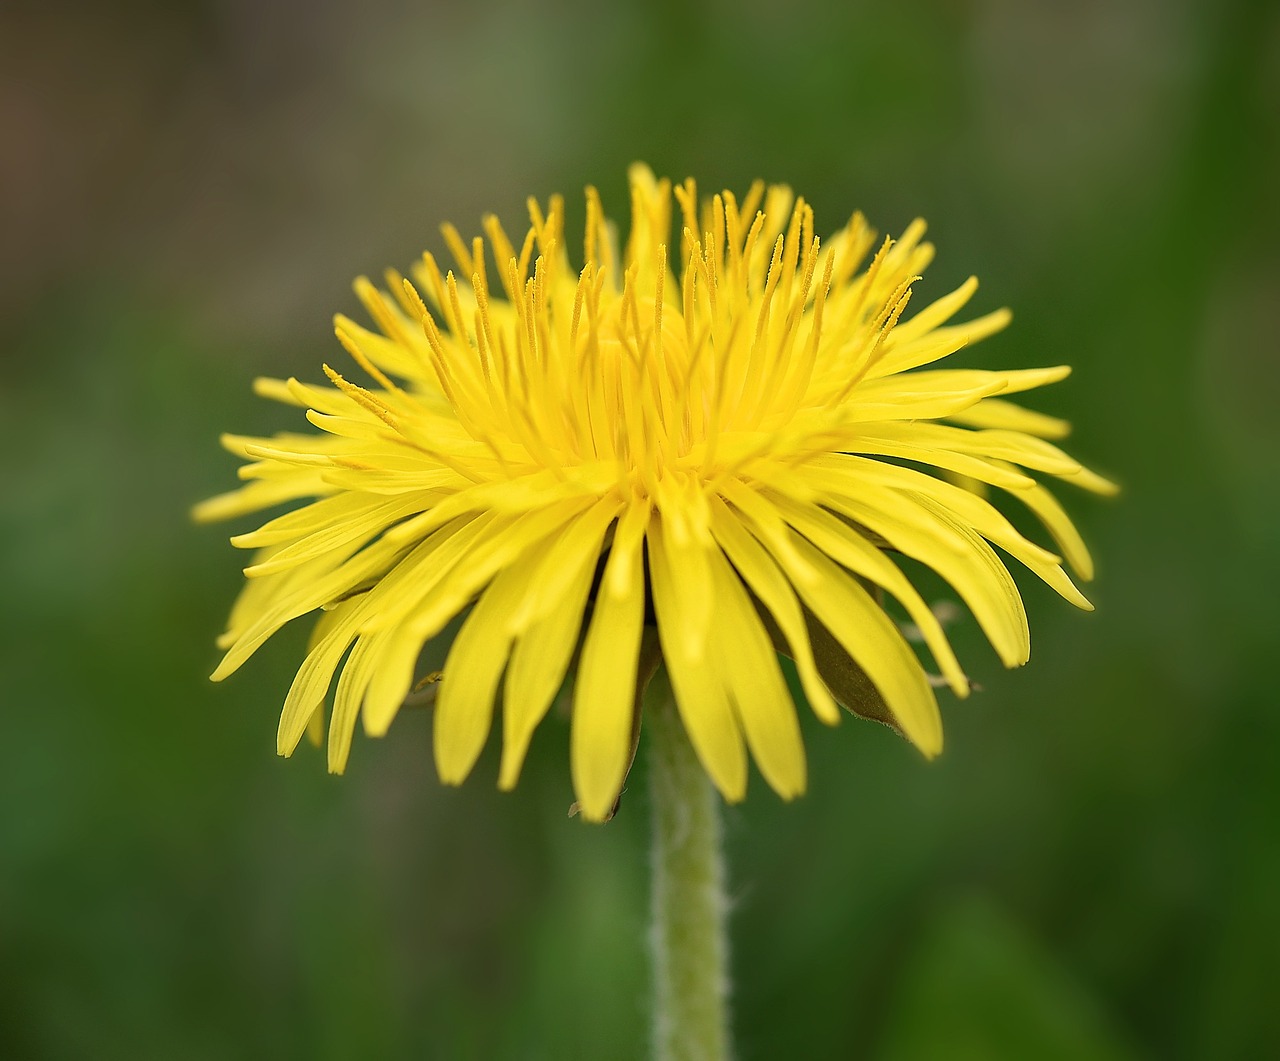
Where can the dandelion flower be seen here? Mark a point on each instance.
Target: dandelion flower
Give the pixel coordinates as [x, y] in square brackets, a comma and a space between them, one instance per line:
[729, 438]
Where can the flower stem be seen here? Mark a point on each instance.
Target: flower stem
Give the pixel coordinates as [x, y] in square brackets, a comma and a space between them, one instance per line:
[690, 949]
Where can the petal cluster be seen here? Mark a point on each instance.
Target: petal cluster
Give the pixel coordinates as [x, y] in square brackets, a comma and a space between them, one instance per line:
[713, 441]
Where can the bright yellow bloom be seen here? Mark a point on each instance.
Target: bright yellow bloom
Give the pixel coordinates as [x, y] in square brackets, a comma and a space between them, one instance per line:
[725, 450]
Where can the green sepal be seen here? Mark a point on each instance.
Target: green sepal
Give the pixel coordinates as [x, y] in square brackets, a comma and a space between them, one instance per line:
[847, 682]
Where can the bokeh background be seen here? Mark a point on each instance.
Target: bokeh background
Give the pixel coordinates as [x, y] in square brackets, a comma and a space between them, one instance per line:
[1092, 869]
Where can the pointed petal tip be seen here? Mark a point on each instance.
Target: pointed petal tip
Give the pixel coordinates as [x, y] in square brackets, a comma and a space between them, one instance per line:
[793, 791]
[594, 811]
[639, 171]
[378, 727]
[456, 759]
[1094, 483]
[1080, 561]
[1014, 653]
[929, 744]
[1071, 593]
[511, 766]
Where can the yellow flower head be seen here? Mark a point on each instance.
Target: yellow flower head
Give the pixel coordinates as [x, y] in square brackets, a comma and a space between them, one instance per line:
[726, 449]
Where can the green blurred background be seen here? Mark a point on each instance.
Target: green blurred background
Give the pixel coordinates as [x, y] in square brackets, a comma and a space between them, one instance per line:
[1091, 870]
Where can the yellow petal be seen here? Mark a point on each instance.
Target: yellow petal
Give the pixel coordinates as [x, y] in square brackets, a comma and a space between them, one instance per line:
[387, 354]
[399, 643]
[358, 528]
[312, 681]
[974, 572]
[933, 345]
[604, 700]
[908, 386]
[701, 696]
[308, 519]
[685, 549]
[1059, 525]
[996, 473]
[464, 705]
[323, 590]
[545, 646]
[936, 313]
[485, 559]
[998, 413]
[356, 674]
[849, 548]
[748, 665]
[257, 496]
[771, 586]
[579, 539]
[876, 645]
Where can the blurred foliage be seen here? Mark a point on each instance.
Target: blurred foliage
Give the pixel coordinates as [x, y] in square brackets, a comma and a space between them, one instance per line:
[1090, 871]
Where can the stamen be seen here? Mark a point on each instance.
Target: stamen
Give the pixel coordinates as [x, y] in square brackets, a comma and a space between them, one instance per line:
[461, 256]
[503, 251]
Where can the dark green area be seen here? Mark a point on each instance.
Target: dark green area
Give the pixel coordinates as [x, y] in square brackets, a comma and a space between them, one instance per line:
[1090, 870]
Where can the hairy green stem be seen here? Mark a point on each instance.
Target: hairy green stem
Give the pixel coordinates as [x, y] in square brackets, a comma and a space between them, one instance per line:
[690, 948]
